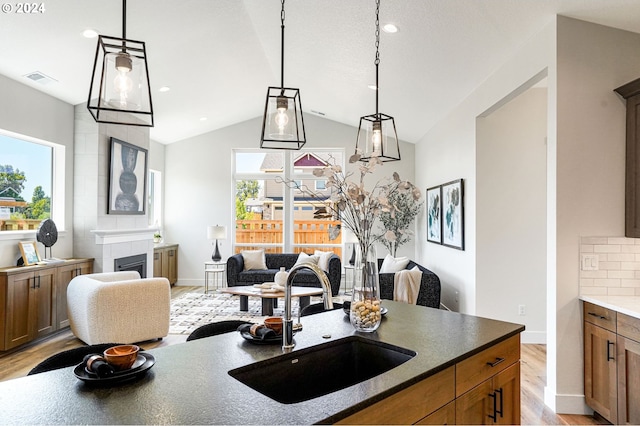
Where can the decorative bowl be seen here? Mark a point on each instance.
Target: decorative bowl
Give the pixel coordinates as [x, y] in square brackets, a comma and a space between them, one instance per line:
[274, 323]
[121, 357]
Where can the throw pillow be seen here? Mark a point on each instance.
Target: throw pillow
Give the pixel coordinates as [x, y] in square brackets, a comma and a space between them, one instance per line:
[323, 259]
[305, 258]
[392, 264]
[254, 259]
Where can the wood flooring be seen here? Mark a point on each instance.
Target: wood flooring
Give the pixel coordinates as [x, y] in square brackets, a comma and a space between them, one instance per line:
[18, 363]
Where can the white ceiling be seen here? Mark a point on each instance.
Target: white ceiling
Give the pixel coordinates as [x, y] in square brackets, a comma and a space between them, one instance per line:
[219, 56]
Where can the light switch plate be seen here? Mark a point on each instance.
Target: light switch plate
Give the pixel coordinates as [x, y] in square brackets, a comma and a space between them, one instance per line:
[589, 262]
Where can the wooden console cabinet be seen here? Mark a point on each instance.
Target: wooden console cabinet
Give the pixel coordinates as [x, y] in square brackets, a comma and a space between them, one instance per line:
[482, 389]
[33, 300]
[612, 364]
[165, 262]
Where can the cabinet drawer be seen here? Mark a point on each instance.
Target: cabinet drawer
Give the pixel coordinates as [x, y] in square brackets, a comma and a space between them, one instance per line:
[411, 404]
[629, 327]
[475, 370]
[602, 317]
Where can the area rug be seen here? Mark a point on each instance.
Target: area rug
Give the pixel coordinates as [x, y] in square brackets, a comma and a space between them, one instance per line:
[191, 310]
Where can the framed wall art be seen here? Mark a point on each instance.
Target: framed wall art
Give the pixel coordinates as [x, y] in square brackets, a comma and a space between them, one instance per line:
[127, 178]
[453, 214]
[29, 252]
[434, 214]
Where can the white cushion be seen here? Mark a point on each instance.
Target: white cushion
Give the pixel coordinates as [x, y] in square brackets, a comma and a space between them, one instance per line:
[305, 258]
[323, 259]
[392, 264]
[254, 259]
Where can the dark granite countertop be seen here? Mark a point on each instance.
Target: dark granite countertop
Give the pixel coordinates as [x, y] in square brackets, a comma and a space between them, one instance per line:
[189, 383]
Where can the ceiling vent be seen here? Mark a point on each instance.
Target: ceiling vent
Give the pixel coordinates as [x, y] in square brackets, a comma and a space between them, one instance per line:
[40, 78]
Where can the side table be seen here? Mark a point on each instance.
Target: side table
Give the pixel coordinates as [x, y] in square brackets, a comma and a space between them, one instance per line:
[347, 281]
[214, 273]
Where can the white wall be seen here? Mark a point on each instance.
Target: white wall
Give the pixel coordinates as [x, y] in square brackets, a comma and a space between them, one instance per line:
[593, 60]
[511, 213]
[448, 152]
[199, 188]
[29, 112]
[585, 175]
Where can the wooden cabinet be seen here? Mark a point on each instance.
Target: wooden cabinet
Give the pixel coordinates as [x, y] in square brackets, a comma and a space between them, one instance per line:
[612, 364]
[600, 377]
[631, 92]
[65, 274]
[31, 302]
[165, 262]
[628, 354]
[482, 389]
[488, 386]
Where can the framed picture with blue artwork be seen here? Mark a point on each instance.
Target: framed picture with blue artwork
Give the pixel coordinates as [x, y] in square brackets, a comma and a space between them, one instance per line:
[453, 214]
[127, 178]
[434, 214]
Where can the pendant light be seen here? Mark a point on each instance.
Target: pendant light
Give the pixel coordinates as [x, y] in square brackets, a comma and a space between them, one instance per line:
[377, 136]
[120, 92]
[282, 124]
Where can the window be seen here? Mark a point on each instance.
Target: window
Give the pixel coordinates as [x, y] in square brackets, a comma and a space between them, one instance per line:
[282, 218]
[155, 198]
[31, 174]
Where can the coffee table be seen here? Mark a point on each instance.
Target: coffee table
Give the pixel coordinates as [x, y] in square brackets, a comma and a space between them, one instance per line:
[245, 291]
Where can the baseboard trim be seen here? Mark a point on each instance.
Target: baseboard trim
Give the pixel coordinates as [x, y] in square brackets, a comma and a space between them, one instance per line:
[189, 282]
[566, 403]
[534, 337]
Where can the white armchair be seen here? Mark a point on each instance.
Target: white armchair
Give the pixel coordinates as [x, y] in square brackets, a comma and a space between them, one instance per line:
[118, 307]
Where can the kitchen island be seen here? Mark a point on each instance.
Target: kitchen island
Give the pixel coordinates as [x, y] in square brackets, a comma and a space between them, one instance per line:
[190, 384]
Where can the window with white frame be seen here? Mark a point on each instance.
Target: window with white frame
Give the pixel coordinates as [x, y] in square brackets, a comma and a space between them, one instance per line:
[31, 182]
[277, 216]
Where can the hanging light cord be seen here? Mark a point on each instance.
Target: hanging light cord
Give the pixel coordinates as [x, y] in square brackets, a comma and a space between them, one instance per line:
[282, 15]
[377, 61]
[124, 25]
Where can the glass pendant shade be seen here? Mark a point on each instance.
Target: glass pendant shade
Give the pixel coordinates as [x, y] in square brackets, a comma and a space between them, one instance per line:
[377, 137]
[282, 123]
[120, 92]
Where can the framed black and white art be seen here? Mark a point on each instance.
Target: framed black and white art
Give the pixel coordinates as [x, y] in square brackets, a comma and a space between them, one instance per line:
[453, 214]
[434, 214]
[127, 178]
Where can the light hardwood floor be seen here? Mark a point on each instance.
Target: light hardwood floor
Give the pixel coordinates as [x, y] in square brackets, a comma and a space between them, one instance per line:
[18, 363]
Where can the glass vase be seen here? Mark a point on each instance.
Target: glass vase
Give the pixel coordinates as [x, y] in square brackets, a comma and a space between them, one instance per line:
[365, 312]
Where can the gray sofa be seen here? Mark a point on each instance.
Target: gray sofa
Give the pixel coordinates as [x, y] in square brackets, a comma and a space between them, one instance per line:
[429, 294]
[236, 275]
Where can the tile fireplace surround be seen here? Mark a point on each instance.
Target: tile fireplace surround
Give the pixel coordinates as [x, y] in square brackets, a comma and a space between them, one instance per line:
[117, 243]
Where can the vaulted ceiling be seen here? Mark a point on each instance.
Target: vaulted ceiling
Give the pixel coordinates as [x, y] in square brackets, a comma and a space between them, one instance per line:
[219, 56]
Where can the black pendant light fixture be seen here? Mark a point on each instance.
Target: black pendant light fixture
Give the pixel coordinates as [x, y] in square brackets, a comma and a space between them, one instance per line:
[282, 124]
[120, 92]
[377, 136]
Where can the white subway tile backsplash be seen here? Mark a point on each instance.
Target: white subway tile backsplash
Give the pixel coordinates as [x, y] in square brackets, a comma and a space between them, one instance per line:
[594, 291]
[618, 266]
[613, 248]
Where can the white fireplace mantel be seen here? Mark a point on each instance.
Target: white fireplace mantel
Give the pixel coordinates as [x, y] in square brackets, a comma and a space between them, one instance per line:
[114, 236]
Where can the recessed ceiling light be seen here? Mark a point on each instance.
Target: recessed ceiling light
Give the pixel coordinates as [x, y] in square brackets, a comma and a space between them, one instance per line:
[90, 33]
[372, 87]
[203, 118]
[164, 89]
[390, 28]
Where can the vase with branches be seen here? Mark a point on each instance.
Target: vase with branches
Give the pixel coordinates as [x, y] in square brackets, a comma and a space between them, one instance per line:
[359, 209]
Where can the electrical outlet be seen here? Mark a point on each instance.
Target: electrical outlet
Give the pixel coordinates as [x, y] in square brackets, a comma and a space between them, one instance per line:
[521, 310]
[457, 296]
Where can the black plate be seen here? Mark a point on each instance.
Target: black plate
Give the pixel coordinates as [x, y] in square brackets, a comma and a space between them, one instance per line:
[139, 368]
[267, 341]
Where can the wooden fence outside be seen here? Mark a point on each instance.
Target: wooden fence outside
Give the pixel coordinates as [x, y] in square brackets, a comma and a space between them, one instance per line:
[19, 224]
[307, 232]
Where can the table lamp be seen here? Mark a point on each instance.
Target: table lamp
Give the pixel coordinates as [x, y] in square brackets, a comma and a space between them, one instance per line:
[216, 233]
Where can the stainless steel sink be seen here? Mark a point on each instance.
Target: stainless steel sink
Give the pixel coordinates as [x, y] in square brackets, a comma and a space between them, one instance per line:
[312, 372]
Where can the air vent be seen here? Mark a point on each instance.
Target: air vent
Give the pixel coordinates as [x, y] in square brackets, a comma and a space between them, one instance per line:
[317, 112]
[40, 78]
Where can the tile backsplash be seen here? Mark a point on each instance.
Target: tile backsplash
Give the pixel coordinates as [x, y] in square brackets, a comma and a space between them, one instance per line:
[610, 266]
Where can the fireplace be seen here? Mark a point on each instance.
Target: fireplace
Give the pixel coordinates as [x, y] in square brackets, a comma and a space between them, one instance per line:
[137, 262]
